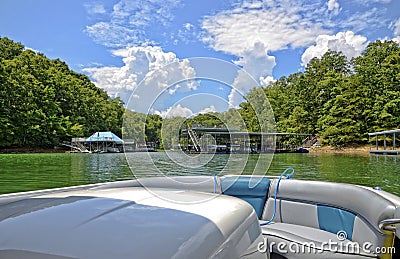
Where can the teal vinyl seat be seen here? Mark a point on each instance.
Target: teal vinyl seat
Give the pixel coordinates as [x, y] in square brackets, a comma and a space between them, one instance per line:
[254, 190]
[312, 214]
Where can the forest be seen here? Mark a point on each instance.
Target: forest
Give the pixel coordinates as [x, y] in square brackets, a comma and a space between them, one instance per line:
[43, 102]
[340, 100]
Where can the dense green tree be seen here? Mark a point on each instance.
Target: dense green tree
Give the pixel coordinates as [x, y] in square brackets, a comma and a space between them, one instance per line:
[207, 120]
[377, 73]
[9, 49]
[233, 120]
[43, 102]
[153, 128]
[133, 127]
[338, 100]
[257, 112]
[170, 132]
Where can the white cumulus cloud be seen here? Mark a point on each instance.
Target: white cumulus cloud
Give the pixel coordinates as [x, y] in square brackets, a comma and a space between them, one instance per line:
[257, 68]
[208, 109]
[333, 6]
[157, 72]
[254, 28]
[348, 43]
[276, 24]
[282, 24]
[182, 111]
[257, 62]
[175, 111]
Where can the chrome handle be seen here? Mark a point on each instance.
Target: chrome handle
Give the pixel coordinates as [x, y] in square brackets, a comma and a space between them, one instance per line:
[388, 224]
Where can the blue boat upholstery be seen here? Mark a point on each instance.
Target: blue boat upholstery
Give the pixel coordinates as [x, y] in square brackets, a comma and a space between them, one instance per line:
[310, 211]
[254, 190]
[335, 220]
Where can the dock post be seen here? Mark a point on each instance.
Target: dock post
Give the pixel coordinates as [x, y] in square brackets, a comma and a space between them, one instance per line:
[394, 141]
[384, 141]
[369, 142]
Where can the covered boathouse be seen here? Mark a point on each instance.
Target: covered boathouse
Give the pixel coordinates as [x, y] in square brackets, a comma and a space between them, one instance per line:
[222, 140]
[102, 142]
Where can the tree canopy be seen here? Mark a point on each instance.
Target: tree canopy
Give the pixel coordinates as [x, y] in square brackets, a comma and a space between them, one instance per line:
[43, 102]
[341, 100]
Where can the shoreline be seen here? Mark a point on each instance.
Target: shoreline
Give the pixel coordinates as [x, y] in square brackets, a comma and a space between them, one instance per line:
[32, 150]
[354, 149]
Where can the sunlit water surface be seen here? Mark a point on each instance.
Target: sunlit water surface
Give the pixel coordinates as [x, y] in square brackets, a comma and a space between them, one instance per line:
[24, 172]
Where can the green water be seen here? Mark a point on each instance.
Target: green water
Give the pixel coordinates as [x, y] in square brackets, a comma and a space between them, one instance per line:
[24, 172]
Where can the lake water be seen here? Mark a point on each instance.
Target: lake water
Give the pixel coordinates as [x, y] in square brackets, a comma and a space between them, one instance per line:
[24, 172]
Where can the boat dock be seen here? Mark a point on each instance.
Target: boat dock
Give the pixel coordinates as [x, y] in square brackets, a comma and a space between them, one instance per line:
[385, 142]
[223, 140]
[99, 142]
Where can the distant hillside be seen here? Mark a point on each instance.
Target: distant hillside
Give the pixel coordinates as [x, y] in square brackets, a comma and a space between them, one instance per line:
[43, 102]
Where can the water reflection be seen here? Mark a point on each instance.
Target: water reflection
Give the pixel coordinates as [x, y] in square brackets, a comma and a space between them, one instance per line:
[360, 169]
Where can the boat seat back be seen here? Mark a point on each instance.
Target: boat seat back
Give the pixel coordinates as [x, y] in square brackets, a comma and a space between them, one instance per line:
[201, 183]
[254, 190]
[353, 211]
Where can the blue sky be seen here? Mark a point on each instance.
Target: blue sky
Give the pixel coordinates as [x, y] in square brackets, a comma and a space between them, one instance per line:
[119, 43]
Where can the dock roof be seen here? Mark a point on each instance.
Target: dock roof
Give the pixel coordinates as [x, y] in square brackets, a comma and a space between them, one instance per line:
[384, 132]
[107, 136]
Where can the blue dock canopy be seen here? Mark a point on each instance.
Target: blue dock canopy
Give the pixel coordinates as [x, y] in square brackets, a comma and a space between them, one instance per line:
[107, 136]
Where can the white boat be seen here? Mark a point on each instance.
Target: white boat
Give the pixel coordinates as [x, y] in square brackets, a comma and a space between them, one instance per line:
[201, 217]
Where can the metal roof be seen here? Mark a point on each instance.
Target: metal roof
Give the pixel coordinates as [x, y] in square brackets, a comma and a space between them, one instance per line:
[107, 136]
[384, 132]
